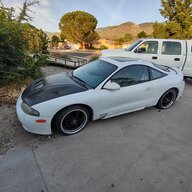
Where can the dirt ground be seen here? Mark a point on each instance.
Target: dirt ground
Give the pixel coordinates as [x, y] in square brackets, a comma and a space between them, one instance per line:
[11, 131]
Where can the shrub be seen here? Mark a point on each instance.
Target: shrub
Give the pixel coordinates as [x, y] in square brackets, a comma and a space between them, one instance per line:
[46, 52]
[30, 70]
[65, 56]
[102, 47]
[15, 63]
[93, 58]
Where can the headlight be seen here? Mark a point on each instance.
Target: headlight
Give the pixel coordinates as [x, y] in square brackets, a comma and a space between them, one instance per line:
[29, 110]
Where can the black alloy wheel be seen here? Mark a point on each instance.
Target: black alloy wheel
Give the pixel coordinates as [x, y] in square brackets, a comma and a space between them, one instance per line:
[167, 99]
[72, 120]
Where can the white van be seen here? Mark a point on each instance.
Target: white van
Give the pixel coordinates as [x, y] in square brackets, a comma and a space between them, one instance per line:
[170, 52]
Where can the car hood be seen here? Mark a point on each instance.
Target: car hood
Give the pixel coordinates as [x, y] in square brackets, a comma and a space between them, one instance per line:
[50, 87]
[114, 53]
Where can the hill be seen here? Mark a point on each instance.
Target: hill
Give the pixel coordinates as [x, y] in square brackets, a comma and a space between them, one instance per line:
[49, 34]
[115, 32]
[118, 31]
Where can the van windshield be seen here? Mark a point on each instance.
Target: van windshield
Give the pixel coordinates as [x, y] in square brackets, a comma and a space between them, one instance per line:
[131, 47]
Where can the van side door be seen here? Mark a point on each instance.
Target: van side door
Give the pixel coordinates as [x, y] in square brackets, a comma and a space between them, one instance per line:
[147, 50]
[172, 53]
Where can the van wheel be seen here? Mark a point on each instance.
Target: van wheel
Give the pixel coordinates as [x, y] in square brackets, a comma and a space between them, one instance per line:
[72, 120]
[167, 99]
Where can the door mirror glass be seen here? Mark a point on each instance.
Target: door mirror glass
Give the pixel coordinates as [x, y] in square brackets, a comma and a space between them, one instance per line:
[111, 86]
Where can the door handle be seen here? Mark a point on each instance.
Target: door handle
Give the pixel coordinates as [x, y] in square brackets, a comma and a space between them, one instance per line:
[177, 59]
[154, 57]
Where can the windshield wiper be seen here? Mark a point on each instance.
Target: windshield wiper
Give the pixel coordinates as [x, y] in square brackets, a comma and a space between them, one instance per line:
[81, 81]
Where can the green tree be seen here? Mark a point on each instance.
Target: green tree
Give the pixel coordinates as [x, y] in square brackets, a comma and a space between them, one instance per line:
[23, 15]
[103, 47]
[15, 64]
[120, 41]
[79, 27]
[62, 38]
[178, 15]
[12, 44]
[55, 40]
[36, 40]
[128, 37]
[44, 40]
[142, 34]
[160, 30]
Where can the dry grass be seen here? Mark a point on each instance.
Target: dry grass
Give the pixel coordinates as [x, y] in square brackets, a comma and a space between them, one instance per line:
[10, 92]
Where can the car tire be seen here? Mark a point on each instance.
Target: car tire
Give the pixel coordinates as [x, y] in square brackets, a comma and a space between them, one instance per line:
[72, 119]
[167, 99]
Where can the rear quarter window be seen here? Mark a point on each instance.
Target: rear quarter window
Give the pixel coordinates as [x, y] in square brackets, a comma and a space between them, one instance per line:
[155, 74]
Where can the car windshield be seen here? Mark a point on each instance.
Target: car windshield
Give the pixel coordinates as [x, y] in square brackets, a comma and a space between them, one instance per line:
[131, 47]
[94, 73]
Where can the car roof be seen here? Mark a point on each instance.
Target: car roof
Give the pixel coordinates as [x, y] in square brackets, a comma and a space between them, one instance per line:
[123, 59]
[126, 61]
[122, 62]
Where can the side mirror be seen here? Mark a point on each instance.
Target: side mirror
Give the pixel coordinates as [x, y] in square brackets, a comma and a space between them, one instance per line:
[111, 86]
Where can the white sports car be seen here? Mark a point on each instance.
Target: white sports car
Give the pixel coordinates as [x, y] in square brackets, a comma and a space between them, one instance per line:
[101, 89]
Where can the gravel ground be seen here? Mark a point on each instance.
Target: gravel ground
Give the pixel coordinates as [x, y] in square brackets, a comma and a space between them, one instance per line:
[11, 131]
[49, 70]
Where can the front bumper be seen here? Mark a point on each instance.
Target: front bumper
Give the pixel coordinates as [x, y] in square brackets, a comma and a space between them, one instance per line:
[29, 122]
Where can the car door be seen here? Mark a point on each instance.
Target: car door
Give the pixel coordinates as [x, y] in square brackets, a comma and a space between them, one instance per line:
[147, 50]
[134, 93]
[172, 53]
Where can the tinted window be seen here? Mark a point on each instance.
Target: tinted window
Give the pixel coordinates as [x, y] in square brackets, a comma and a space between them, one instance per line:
[95, 72]
[131, 75]
[148, 47]
[171, 48]
[162, 67]
[155, 74]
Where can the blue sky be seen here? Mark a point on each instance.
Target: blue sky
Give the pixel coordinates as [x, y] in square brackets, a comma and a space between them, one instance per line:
[108, 12]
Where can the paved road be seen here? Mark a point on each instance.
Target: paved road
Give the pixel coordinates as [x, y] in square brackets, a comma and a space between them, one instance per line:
[145, 151]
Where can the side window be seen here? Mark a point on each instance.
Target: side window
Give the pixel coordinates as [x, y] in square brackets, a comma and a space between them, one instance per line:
[171, 48]
[148, 47]
[155, 74]
[131, 75]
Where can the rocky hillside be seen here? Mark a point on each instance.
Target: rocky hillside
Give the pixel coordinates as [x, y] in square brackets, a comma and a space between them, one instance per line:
[115, 32]
[49, 34]
[118, 31]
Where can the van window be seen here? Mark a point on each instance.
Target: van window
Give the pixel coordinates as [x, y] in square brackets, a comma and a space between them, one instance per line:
[148, 47]
[171, 48]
